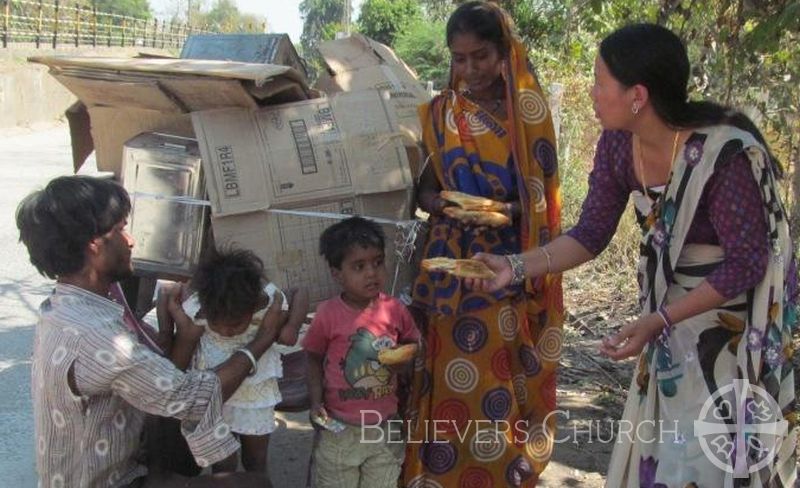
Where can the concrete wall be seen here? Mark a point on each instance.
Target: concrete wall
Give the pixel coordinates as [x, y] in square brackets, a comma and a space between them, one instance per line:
[29, 95]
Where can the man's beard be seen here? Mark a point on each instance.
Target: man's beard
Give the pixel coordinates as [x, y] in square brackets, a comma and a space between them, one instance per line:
[120, 273]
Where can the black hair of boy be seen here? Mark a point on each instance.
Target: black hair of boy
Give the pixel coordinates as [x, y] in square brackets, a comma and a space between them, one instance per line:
[337, 240]
[57, 223]
[229, 284]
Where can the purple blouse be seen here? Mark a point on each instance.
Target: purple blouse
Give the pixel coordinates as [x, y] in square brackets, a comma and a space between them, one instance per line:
[729, 213]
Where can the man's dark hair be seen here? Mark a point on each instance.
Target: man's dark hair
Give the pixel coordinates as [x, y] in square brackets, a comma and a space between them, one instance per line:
[229, 283]
[337, 240]
[57, 223]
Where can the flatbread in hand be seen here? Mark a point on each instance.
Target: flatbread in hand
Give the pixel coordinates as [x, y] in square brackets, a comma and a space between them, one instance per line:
[478, 217]
[463, 268]
[472, 202]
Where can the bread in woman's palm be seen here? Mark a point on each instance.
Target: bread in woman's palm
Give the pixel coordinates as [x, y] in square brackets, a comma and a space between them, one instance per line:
[463, 268]
[472, 202]
[477, 217]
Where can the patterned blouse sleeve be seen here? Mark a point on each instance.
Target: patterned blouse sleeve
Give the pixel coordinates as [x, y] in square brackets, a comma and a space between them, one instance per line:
[607, 196]
[115, 362]
[736, 213]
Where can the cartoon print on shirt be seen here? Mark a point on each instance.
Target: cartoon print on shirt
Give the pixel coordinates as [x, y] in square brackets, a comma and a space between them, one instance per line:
[369, 380]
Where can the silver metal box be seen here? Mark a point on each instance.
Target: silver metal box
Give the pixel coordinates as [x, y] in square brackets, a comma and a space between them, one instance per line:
[164, 178]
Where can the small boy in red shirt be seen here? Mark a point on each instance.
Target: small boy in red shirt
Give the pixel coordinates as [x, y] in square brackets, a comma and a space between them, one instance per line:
[349, 387]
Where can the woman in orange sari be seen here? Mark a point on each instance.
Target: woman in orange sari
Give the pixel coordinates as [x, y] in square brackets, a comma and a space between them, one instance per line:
[486, 381]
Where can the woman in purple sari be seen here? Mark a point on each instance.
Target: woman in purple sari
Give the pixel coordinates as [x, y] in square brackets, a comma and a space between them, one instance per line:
[712, 400]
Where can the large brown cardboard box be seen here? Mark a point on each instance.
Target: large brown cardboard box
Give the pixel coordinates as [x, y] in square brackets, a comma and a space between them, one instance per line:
[319, 160]
[123, 97]
[359, 63]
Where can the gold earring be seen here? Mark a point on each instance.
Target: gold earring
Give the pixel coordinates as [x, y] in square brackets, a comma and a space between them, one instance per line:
[635, 108]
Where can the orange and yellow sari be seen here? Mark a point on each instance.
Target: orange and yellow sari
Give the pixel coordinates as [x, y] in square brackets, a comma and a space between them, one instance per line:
[485, 382]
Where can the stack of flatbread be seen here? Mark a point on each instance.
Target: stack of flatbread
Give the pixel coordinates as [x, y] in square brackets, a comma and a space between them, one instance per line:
[482, 211]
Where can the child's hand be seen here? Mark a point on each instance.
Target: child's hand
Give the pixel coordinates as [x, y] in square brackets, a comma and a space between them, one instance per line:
[187, 330]
[401, 369]
[288, 336]
[318, 411]
[298, 309]
[272, 321]
[299, 302]
[166, 324]
[172, 297]
[318, 415]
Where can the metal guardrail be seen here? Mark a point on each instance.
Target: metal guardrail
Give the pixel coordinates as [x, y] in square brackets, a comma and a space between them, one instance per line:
[59, 23]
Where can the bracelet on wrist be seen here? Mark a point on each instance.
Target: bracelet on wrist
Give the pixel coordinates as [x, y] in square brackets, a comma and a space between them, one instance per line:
[663, 337]
[252, 358]
[549, 259]
[662, 312]
[517, 268]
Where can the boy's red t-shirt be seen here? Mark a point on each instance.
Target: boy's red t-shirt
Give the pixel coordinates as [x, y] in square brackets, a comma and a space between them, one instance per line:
[349, 339]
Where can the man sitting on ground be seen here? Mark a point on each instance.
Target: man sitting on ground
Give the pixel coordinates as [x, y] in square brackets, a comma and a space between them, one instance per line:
[92, 380]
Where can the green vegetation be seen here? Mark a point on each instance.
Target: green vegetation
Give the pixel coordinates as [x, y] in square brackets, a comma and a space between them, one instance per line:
[215, 16]
[321, 20]
[224, 16]
[132, 8]
[382, 20]
[421, 45]
[744, 53]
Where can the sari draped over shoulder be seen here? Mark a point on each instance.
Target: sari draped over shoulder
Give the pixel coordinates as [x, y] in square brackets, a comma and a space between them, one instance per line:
[712, 403]
[485, 381]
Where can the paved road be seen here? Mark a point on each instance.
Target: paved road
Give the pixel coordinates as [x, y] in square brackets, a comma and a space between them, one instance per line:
[29, 158]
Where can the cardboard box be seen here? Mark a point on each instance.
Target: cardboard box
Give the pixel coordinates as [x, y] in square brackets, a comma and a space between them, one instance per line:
[339, 156]
[359, 162]
[124, 97]
[359, 63]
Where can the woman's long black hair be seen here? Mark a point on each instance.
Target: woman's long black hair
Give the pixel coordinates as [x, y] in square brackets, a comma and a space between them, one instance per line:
[653, 56]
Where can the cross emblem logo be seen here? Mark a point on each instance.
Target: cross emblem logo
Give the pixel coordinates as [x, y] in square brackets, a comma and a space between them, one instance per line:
[740, 428]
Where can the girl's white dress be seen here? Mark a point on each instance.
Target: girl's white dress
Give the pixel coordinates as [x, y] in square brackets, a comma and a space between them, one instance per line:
[251, 409]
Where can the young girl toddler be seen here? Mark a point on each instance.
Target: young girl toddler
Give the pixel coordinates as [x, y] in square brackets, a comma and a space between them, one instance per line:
[230, 299]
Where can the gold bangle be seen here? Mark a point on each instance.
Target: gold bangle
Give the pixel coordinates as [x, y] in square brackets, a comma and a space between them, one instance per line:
[549, 259]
